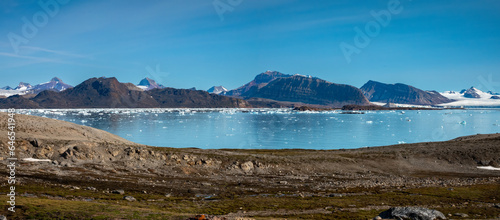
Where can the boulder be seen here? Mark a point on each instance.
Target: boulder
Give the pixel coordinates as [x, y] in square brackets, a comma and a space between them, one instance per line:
[247, 166]
[493, 164]
[463, 215]
[411, 213]
[118, 191]
[129, 198]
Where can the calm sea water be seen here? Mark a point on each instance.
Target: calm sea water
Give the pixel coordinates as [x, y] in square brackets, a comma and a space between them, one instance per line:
[282, 128]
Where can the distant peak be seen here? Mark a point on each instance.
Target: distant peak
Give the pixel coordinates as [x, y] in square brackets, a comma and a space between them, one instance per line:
[374, 82]
[217, 90]
[474, 89]
[24, 84]
[56, 79]
[300, 75]
[271, 72]
[147, 82]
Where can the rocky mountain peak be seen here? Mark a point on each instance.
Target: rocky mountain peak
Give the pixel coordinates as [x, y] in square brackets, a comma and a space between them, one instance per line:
[217, 90]
[56, 79]
[148, 84]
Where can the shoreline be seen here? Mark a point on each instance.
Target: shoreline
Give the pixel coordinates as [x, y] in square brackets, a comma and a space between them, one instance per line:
[179, 143]
[312, 109]
[89, 168]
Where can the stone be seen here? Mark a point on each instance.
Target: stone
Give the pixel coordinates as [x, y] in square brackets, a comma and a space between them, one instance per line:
[463, 215]
[34, 142]
[411, 213]
[493, 164]
[247, 166]
[29, 195]
[2, 217]
[335, 195]
[129, 198]
[118, 191]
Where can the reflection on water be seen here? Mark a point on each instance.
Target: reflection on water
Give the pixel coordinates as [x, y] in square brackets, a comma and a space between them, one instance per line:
[280, 128]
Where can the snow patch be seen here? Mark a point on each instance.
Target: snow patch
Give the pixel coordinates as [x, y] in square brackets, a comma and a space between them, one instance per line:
[143, 87]
[460, 100]
[36, 160]
[488, 168]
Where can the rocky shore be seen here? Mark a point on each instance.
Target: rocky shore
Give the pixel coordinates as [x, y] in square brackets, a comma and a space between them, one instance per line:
[97, 173]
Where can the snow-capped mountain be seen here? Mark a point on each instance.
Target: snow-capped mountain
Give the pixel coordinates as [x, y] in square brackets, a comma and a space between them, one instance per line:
[472, 93]
[55, 84]
[6, 88]
[471, 97]
[217, 90]
[23, 86]
[148, 84]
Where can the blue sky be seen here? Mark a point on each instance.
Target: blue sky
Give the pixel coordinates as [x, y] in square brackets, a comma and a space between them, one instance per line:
[433, 45]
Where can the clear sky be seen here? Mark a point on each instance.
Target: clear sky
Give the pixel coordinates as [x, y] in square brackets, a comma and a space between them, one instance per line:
[431, 44]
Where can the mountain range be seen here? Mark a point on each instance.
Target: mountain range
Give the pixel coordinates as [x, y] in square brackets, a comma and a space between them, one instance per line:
[109, 93]
[472, 97]
[268, 89]
[275, 89]
[54, 84]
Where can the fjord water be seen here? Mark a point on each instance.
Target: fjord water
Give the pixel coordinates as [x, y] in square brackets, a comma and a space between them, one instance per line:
[280, 128]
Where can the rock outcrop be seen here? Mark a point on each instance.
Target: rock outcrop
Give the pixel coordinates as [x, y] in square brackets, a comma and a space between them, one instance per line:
[411, 213]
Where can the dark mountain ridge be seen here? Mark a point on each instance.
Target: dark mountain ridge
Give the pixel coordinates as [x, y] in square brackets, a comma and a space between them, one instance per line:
[259, 81]
[309, 90]
[109, 93]
[401, 93]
